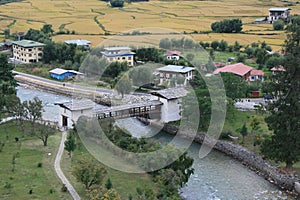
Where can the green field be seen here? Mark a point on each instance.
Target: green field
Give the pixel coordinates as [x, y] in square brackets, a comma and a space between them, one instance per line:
[90, 19]
[124, 183]
[28, 151]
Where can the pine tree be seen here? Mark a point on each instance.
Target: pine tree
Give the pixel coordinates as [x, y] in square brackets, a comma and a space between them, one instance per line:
[70, 144]
[284, 145]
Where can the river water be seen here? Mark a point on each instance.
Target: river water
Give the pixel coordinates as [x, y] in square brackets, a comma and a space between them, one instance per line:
[216, 176]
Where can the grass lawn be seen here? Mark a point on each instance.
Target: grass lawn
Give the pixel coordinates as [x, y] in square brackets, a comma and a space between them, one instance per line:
[29, 151]
[238, 118]
[124, 183]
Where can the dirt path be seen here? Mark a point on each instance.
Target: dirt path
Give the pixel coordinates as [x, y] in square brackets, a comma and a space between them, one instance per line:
[58, 170]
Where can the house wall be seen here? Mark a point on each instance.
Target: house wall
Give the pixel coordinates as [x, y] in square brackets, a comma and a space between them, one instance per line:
[72, 116]
[128, 59]
[27, 55]
[163, 76]
[274, 16]
[254, 78]
[170, 110]
[61, 76]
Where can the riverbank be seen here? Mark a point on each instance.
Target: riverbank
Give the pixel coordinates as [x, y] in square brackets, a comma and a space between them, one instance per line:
[98, 95]
[247, 158]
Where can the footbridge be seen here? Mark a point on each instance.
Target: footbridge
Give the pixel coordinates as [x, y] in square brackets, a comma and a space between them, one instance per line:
[148, 109]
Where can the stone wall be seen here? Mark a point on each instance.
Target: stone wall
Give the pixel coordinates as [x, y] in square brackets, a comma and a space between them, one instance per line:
[246, 157]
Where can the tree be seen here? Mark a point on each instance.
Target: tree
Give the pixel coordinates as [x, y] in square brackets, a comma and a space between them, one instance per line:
[278, 25]
[124, 85]
[284, 144]
[70, 143]
[108, 184]
[227, 26]
[47, 29]
[8, 85]
[89, 172]
[223, 45]
[34, 111]
[165, 43]
[236, 46]
[214, 44]
[117, 3]
[93, 65]
[235, 87]
[244, 132]
[141, 75]
[44, 131]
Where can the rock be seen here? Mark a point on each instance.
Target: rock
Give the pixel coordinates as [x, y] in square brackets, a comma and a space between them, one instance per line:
[297, 187]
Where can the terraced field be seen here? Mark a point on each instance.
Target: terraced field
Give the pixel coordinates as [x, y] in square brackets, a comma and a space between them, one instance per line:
[91, 19]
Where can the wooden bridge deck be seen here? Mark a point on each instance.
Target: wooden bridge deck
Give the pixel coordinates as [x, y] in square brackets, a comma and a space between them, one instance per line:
[145, 109]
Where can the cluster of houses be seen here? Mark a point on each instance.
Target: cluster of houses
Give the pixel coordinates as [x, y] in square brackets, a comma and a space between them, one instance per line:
[27, 51]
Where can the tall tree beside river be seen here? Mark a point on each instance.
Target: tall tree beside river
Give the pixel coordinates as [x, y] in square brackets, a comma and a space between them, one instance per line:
[7, 86]
[284, 145]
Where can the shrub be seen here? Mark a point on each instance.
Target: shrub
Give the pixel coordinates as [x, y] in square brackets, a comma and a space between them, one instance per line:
[40, 165]
[278, 25]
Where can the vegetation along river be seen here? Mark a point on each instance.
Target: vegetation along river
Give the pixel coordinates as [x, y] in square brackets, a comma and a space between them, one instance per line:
[217, 176]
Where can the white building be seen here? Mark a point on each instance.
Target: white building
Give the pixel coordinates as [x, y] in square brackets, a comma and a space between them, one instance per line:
[278, 13]
[172, 71]
[119, 54]
[171, 99]
[27, 51]
[69, 112]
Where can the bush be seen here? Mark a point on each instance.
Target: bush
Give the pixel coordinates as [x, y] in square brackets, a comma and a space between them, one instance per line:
[117, 3]
[64, 188]
[40, 165]
[227, 26]
[278, 25]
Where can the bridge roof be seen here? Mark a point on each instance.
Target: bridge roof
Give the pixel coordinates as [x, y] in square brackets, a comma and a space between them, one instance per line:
[127, 106]
[171, 93]
[74, 105]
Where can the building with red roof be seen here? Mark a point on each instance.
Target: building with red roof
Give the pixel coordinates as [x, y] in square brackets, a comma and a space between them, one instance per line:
[173, 55]
[277, 69]
[247, 73]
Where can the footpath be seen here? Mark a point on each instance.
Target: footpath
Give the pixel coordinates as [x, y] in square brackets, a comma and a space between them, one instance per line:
[58, 170]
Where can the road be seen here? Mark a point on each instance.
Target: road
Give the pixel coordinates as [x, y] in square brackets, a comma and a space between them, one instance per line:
[86, 88]
[58, 170]
[92, 89]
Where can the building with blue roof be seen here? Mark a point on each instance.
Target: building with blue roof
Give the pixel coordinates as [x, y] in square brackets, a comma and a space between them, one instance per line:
[62, 74]
[119, 54]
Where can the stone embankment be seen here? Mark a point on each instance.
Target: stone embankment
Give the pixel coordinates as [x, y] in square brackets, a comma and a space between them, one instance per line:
[103, 98]
[248, 158]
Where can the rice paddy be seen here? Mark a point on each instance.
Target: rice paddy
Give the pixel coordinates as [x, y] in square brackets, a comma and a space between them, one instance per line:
[91, 19]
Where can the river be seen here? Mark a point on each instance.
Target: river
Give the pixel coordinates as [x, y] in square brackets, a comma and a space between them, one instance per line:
[216, 176]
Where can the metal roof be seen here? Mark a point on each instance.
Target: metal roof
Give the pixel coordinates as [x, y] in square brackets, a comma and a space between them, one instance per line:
[75, 104]
[78, 42]
[127, 106]
[176, 68]
[117, 48]
[171, 93]
[60, 71]
[238, 69]
[279, 9]
[28, 43]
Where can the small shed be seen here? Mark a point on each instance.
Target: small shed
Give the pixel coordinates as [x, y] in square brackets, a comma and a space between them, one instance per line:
[62, 74]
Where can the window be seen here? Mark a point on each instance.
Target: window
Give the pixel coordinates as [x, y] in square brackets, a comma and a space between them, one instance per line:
[123, 58]
[129, 58]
